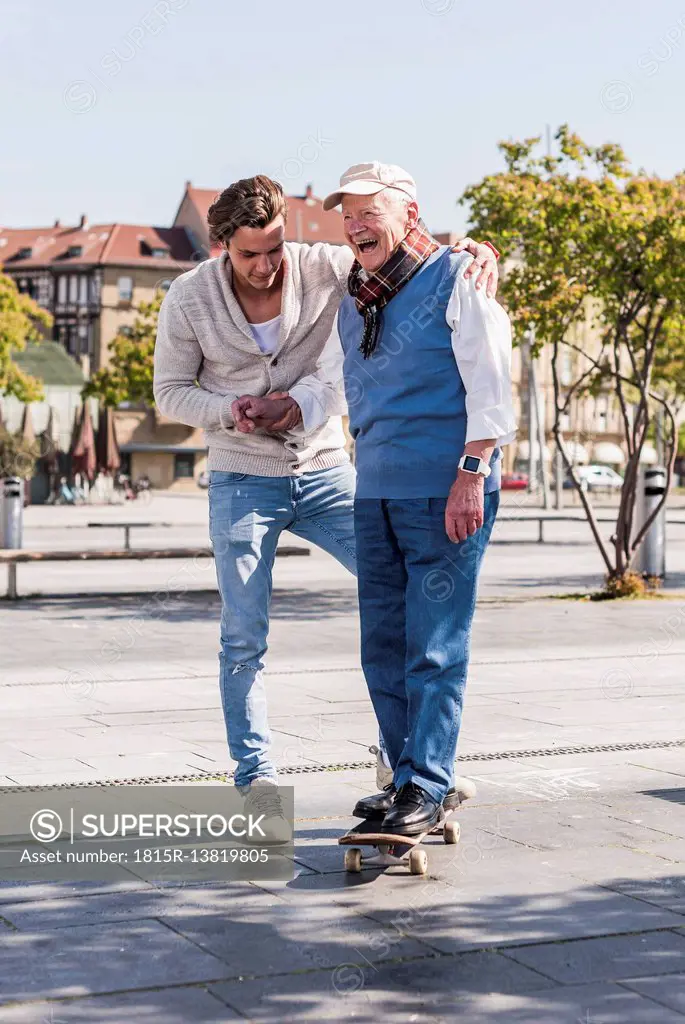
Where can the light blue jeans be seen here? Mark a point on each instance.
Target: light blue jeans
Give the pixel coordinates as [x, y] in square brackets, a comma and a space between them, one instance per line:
[247, 515]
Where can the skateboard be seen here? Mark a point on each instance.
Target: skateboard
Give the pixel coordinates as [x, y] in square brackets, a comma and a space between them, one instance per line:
[393, 849]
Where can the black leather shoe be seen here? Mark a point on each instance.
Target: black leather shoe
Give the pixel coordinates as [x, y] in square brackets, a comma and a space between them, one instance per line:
[376, 806]
[413, 811]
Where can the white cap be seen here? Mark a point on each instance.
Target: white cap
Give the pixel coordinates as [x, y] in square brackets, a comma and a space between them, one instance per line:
[367, 179]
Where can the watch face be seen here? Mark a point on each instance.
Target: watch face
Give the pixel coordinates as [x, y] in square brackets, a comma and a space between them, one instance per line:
[471, 463]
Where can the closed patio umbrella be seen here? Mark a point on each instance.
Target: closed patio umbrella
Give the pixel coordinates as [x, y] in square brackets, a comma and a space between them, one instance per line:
[50, 446]
[106, 445]
[83, 459]
[28, 434]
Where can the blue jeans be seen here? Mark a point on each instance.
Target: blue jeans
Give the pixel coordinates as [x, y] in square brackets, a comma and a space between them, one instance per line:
[247, 515]
[417, 596]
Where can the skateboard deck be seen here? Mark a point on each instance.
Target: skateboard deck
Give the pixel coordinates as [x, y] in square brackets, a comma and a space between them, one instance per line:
[393, 849]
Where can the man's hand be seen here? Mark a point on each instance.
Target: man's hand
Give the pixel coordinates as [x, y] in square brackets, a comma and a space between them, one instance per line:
[484, 264]
[274, 413]
[464, 511]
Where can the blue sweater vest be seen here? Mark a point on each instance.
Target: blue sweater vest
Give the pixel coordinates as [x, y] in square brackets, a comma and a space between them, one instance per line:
[407, 403]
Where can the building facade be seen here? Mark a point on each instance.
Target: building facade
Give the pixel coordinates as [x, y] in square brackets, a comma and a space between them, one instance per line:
[91, 278]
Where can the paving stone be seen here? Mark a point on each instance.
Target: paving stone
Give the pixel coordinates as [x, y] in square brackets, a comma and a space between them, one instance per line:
[221, 898]
[572, 1004]
[670, 850]
[20, 891]
[669, 990]
[48, 768]
[507, 918]
[554, 848]
[417, 990]
[573, 825]
[172, 1006]
[666, 818]
[275, 938]
[606, 959]
[100, 958]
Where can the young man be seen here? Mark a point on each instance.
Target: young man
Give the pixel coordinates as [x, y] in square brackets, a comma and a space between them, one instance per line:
[245, 347]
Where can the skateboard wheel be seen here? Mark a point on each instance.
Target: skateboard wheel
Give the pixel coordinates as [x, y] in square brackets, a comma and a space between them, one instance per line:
[353, 859]
[418, 861]
[451, 832]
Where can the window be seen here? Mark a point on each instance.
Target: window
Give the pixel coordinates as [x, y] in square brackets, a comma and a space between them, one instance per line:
[164, 286]
[62, 289]
[83, 290]
[566, 369]
[125, 285]
[160, 254]
[25, 253]
[72, 341]
[73, 289]
[184, 466]
[75, 250]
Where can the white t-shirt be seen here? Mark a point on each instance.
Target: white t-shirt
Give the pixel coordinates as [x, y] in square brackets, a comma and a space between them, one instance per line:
[266, 334]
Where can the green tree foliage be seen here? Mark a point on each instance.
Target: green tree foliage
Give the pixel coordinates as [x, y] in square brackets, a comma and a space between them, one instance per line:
[21, 320]
[129, 372]
[590, 239]
[18, 456]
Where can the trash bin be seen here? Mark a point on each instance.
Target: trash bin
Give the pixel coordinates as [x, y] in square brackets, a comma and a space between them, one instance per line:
[651, 555]
[12, 521]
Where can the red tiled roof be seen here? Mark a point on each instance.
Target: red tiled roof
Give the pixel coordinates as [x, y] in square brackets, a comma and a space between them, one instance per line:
[307, 219]
[113, 244]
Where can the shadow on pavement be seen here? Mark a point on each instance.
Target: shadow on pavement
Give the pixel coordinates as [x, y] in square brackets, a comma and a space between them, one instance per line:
[293, 603]
[235, 951]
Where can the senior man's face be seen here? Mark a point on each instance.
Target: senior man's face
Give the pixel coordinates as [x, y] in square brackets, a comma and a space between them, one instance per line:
[375, 225]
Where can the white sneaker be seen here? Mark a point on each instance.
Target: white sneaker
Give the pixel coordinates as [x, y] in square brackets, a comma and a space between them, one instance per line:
[462, 788]
[384, 774]
[262, 797]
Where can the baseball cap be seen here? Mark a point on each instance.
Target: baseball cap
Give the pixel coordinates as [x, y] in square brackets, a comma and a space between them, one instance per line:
[367, 179]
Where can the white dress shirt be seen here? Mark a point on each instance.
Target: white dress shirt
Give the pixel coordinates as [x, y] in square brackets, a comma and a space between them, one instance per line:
[481, 342]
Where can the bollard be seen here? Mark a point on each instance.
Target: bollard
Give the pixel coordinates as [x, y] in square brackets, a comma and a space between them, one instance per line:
[12, 512]
[651, 555]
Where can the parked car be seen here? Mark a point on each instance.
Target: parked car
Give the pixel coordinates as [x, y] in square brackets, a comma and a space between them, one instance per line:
[514, 481]
[597, 478]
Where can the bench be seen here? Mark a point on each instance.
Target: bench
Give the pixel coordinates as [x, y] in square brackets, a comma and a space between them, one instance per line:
[545, 517]
[14, 557]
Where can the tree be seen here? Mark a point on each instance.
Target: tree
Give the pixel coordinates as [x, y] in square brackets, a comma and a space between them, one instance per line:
[129, 372]
[18, 456]
[590, 239]
[21, 320]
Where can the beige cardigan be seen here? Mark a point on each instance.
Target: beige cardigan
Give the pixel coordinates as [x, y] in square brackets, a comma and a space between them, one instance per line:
[204, 339]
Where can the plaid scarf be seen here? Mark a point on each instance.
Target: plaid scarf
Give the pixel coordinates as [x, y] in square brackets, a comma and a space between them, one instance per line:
[373, 292]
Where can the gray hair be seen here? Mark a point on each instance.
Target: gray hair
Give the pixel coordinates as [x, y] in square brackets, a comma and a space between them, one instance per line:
[395, 197]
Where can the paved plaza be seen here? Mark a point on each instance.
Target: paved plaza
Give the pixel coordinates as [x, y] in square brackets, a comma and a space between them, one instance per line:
[564, 902]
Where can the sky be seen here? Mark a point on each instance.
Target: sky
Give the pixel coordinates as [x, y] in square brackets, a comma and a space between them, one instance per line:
[107, 109]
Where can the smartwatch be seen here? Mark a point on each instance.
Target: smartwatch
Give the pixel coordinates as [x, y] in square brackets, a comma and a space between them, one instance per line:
[472, 464]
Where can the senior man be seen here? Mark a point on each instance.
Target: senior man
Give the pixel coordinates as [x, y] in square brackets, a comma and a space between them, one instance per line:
[245, 349]
[428, 382]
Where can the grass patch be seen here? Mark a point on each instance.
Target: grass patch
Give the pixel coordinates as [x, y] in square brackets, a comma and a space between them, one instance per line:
[632, 586]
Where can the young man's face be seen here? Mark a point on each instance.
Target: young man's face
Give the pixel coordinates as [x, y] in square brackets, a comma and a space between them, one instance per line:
[375, 225]
[257, 253]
